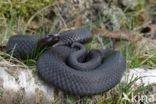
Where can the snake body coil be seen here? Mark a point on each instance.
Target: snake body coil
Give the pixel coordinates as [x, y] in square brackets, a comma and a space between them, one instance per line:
[69, 66]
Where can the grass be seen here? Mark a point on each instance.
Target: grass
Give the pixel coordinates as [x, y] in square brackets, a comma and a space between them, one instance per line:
[124, 89]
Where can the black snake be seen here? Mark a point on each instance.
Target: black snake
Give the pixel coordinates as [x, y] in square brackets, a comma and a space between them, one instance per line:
[69, 66]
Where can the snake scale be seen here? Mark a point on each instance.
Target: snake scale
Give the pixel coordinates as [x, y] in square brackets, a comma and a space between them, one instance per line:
[69, 66]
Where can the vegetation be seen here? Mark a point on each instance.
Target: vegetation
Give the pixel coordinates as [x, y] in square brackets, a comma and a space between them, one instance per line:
[30, 16]
[19, 8]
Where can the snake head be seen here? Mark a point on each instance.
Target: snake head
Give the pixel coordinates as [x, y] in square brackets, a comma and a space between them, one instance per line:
[47, 41]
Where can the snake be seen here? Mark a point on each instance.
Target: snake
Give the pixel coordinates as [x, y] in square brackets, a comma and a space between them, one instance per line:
[68, 65]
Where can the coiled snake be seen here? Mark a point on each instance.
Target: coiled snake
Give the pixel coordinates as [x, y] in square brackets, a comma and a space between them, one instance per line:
[69, 66]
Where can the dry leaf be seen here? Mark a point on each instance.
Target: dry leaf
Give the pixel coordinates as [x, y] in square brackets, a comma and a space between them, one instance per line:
[99, 31]
[78, 21]
[119, 34]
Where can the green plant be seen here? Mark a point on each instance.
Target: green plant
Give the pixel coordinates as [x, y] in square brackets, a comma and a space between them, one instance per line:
[22, 8]
[16, 15]
[128, 91]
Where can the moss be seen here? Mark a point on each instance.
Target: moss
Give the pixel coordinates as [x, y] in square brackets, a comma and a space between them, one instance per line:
[22, 8]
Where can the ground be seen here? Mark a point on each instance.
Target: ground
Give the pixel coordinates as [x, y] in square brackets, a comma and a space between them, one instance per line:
[117, 24]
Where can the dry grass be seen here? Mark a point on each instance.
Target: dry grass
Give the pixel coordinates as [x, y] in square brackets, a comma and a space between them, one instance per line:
[130, 21]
